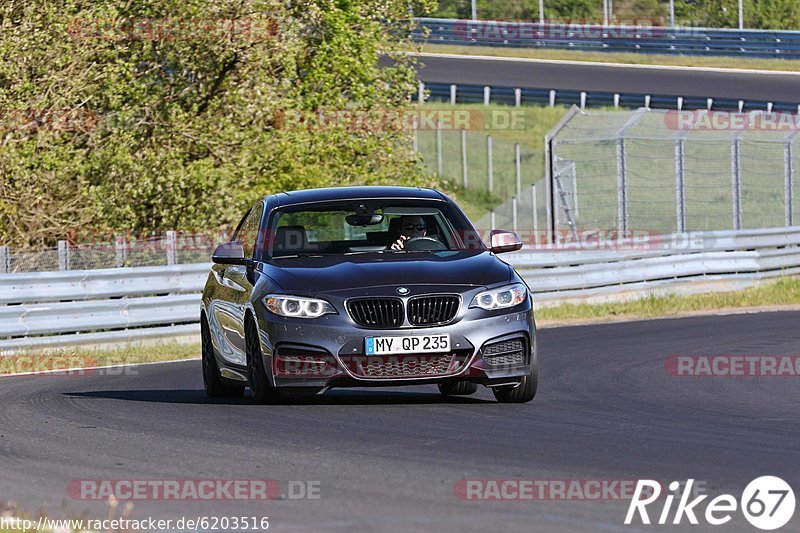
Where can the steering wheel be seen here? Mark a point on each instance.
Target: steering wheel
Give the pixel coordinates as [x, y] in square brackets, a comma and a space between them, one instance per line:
[424, 244]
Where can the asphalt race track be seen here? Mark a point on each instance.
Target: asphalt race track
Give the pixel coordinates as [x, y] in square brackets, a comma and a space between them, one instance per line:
[576, 76]
[388, 459]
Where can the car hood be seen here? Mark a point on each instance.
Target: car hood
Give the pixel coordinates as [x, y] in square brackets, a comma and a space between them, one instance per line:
[315, 275]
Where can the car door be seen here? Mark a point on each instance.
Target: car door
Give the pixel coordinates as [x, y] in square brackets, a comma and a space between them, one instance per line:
[233, 292]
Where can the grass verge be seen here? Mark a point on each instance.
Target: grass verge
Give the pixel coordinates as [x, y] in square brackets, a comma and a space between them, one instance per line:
[60, 359]
[785, 291]
[625, 58]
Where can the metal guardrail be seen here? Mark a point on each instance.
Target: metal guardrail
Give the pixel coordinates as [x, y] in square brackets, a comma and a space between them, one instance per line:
[473, 94]
[598, 38]
[109, 306]
[103, 306]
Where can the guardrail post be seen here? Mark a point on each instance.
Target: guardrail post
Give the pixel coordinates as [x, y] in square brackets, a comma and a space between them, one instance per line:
[172, 248]
[517, 97]
[489, 164]
[439, 163]
[583, 99]
[120, 250]
[5, 260]
[736, 182]
[421, 92]
[453, 94]
[552, 98]
[680, 103]
[464, 155]
[487, 93]
[680, 183]
[616, 100]
[63, 255]
[518, 163]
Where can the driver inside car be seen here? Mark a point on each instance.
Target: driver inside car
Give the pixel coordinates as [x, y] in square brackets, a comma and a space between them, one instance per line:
[410, 226]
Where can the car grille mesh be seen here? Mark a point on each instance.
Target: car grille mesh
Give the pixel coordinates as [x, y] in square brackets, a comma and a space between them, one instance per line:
[406, 366]
[376, 312]
[505, 353]
[432, 310]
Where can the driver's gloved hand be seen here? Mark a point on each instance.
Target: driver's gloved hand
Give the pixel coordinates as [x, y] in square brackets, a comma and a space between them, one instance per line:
[400, 243]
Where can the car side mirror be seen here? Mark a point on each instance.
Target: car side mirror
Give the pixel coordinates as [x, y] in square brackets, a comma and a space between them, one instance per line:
[504, 241]
[230, 253]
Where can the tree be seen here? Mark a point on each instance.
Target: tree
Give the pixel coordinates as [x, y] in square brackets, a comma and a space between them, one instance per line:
[175, 109]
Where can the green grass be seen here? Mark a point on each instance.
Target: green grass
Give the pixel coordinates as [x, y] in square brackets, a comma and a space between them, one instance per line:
[785, 291]
[626, 58]
[87, 357]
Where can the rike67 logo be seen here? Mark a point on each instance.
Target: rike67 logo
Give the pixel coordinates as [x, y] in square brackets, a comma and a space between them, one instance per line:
[767, 503]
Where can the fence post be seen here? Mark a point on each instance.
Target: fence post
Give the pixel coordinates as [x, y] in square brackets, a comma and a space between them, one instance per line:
[5, 260]
[622, 188]
[489, 157]
[439, 163]
[788, 177]
[492, 219]
[414, 140]
[534, 214]
[514, 213]
[519, 170]
[172, 248]
[680, 183]
[120, 250]
[63, 255]
[622, 172]
[736, 181]
[464, 155]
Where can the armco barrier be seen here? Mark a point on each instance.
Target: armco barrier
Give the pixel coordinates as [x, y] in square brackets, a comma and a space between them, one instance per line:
[597, 38]
[134, 304]
[470, 94]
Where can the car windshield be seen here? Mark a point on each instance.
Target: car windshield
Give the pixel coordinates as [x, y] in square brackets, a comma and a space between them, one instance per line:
[351, 227]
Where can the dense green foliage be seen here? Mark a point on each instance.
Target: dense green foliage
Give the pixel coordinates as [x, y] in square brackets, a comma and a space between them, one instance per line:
[133, 127]
[765, 14]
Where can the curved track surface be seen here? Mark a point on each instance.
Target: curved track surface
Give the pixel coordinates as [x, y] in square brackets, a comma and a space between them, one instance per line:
[388, 459]
[586, 76]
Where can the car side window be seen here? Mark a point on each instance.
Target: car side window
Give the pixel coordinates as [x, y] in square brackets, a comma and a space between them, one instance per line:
[247, 232]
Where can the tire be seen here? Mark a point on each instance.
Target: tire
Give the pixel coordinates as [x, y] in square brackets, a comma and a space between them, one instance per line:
[212, 381]
[458, 388]
[522, 393]
[526, 390]
[262, 390]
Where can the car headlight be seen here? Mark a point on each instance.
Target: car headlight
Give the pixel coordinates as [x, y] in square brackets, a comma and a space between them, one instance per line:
[503, 297]
[297, 306]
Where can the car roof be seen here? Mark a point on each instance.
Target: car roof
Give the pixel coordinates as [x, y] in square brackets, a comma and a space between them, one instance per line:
[356, 193]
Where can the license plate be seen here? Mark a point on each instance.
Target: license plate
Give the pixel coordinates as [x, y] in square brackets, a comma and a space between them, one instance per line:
[407, 344]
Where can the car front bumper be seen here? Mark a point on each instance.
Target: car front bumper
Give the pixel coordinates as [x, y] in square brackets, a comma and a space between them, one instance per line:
[329, 352]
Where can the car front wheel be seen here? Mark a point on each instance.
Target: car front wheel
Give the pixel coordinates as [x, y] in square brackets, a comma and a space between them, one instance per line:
[214, 386]
[262, 390]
